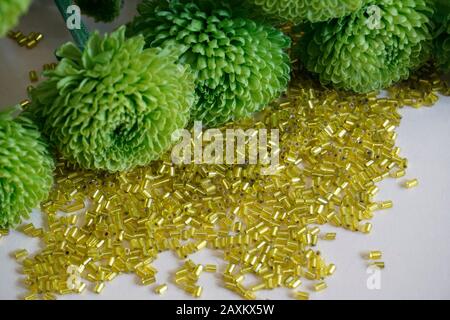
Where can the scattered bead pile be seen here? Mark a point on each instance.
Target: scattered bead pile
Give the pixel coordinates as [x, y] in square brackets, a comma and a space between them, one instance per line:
[30, 41]
[335, 147]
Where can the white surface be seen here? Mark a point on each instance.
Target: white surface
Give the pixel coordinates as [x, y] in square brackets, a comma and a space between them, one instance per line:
[414, 236]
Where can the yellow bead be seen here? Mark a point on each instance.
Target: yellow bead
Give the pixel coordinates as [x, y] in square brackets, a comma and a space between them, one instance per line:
[210, 268]
[398, 174]
[301, 295]
[320, 286]
[81, 288]
[20, 254]
[329, 236]
[331, 269]
[31, 44]
[99, 287]
[197, 292]
[366, 228]
[258, 287]
[375, 255]
[148, 280]
[39, 37]
[386, 204]
[31, 296]
[33, 76]
[14, 35]
[411, 183]
[22, 40]
[379, 264]
[198, 270]
[25, 104]
[49, 296]
[161, 289]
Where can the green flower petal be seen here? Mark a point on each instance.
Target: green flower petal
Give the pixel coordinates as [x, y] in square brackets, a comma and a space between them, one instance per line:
[26, 169]
[306, 10]
[115, 105]
[101, 10]
[10, 12]
[240, 65]
[364, 51]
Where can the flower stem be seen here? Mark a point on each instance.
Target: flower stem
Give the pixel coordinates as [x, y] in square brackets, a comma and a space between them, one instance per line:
[80, 35]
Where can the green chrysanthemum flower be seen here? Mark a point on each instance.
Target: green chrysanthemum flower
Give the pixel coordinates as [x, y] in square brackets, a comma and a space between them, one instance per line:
[442, 38]
[101, 10]
[372, 48]
[306, 10]
[26, 168]
[115, 105]
[240, 65]
[10, 12]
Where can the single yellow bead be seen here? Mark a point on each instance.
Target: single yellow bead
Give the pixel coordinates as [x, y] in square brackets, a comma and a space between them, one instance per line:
[411, 183]
[375, 255]
[161, 289]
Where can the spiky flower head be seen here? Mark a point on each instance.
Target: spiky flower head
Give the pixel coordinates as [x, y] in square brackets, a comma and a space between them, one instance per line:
[306, 10]
[101, 10]
[26, 168]
[372, 48]
[239, 65]
[115, 105]
[10, 12]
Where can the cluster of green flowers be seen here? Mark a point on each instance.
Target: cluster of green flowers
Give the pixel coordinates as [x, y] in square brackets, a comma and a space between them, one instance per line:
[239, 65]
